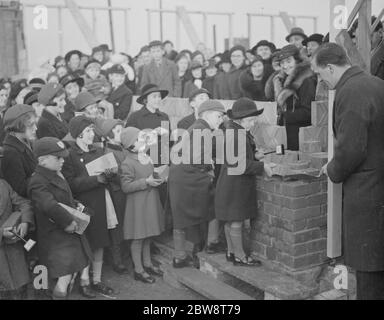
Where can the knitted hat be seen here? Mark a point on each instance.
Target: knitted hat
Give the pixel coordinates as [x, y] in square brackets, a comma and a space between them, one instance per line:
[108, 124]
[128, 136]
[49, 146]
[78, 124]
[211, 105]
[15, 112]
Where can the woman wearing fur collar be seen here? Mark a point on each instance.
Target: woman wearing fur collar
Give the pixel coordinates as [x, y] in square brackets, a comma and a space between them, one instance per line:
[294, 89]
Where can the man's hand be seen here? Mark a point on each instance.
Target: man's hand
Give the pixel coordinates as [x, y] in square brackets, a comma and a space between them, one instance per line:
[268, 169]
[71, 228]
[7, 233]
[324, 170]
[259, 156]
[22, 229]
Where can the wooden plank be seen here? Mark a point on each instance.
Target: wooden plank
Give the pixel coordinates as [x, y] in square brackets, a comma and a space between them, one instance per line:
[188, 25]
[344, 39]
[379, 17]
[354, 12]
[286, 20]
[364, 43]
[82, 23]
[335, 191]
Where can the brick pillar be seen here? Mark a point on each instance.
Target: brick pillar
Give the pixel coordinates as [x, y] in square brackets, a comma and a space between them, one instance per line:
[290, 231]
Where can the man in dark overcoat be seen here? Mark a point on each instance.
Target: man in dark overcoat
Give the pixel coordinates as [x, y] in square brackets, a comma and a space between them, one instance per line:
[358, 163]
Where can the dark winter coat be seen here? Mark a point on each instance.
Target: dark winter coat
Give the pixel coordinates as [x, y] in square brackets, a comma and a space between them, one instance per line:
[220, 87]
[191, 187]
[69, 111]
[165, 77]
[18, 164]
[358, 126]
[187, 122]
[14, 271]
[51, 126]
[294, 95]
[61, 252]
[121, 98]
[233, 79]
[253, 89]
[189, 87]
[235, 197]
[209, 83]
[89, 192]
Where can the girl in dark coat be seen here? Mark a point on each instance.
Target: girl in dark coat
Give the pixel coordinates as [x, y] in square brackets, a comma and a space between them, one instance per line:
[182, 63]
[61, 250]
[111, 129]
[253, 79]
[295, 89]
[91, 191]
[14, 273]
[196, 82]
[235, 199]
[237, 54]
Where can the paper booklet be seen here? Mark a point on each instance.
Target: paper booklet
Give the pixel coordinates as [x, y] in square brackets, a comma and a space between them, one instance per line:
[81, 218]
[98, 166]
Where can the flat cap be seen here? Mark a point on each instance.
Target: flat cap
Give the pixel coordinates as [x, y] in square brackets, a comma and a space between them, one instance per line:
[48, 92]
[15, 112]
[49, 146]
[211, 105]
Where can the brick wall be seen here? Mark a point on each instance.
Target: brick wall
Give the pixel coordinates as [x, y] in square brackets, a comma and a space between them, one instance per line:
[290, 230]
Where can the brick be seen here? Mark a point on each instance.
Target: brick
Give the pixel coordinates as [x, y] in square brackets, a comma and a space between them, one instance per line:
[317, 245]
[307, 236]
[299, 250]
[317, 222]
[263, 239]
[324, 209]
[300, 188]
[285, 259]
[317, 200]
[299, 165]
[312, 146]
[307, 260]
[259, 248]
[295, 203]
[271, 253]
[307, 213]
[319, 113]
[318, 160]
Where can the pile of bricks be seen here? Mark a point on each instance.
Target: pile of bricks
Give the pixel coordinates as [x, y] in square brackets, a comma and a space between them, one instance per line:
[290, 229]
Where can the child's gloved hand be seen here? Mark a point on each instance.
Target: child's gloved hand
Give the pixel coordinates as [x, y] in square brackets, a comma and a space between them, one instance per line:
[110, 174]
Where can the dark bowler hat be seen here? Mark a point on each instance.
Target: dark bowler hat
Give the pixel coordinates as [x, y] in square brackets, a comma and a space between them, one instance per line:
[71, 53]
[83, 100]
[196, 92]
[116, 68]
[296, 32]
[288, 51]
[69, 78]
[244, 108]
[148, 89]
[211, 105]
[105, 47]
[316, 37]
[155, 43]
[50, 146]
[78, 124]
[263, 43]
[48, 92]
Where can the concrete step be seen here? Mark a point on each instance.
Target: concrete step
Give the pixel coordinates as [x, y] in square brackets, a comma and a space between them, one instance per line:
[269, 285]
[197, 281]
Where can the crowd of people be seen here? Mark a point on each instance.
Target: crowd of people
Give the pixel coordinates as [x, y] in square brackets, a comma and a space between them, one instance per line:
[52, 126]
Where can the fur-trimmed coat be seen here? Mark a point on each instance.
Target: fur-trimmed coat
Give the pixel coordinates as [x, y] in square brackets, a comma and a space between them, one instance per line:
[294, 95]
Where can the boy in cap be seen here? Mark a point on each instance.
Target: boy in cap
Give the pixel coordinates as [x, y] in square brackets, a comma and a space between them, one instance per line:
[52, 96]
[161, 71]
[64, 252]
[120, 96]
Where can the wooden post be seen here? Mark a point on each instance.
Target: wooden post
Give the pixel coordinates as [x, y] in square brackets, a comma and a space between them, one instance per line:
[110, 13]
[60, 28]
[177, 25]
[230, 26]
[364, 43]
[205, 28]
[214, 38]
[273, 29]
[286, 20]
[149, 26]
[161, 19]
[335, 191]
[188, 25]
[249, 27]
[126, 25]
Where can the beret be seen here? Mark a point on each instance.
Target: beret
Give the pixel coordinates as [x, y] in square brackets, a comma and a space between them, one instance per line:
[128, 136]
[49, 146]
[48, 92]
[15, 112]
[108, 124]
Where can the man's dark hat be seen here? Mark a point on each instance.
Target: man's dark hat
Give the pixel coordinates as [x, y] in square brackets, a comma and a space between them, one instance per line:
[316, 37]
[155, 43]
[263, 43]
[244, 108]
[148, 89]
[296, 32]
[97, 49]
[105, 47]
[72, 78]
[196, 92]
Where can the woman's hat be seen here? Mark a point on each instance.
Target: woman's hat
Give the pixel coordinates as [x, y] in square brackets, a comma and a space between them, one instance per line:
[50, 146]
[15, 112]
[83, 100]
[49, 92]
[296, 32]
[31, 97]
[128, 136]
[263, 43]
[92, 62]
[148, 89]
[78, 124]
[288, 51]
[108, 124]
[196, 92]
[196, 65]
[244, 108]
[71, 53]
[316, 37]
[69, 78]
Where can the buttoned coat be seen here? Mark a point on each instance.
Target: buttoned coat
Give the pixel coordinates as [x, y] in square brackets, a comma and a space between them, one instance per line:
[51, 126]
[121, 98]
[358, 163]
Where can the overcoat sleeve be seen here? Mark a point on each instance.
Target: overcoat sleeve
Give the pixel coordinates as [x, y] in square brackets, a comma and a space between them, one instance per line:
[125, 106]
[176, 82]
[352, 119]
[128, 182]
[47, 204]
